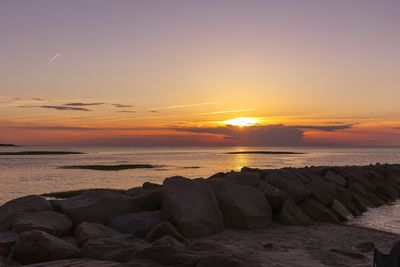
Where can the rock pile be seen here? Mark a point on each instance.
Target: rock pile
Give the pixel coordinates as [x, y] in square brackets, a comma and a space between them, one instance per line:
[157, 225]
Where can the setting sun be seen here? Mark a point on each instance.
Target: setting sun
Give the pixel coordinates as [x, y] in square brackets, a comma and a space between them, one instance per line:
[242, 121]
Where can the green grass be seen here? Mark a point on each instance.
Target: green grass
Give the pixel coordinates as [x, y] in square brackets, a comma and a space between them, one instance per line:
[265, 152]
[38, 153]
[110, 167]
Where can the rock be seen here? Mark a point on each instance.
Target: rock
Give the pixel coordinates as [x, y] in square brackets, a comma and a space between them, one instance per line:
[298, 192]
[116, 248]
[4, 262]
[191, 206]
[318, 212]
[395, 250]
[341, 211]
[86, 231]
[321, 192]
[10, 210]
[244, 178]
[336, 178]
[95, 206]
[168, 241]
[348, 253]
[138, 224]
[7, 240]
[77, 263]
[51, 222]
[345, 197]
[227, 260]
[359, 202]
[275, 196]
[366, 246]
[291, 214]
[166, 255]
[163, 229]
[38, 246]
[149, 185]
[145, 199]
[243, 207]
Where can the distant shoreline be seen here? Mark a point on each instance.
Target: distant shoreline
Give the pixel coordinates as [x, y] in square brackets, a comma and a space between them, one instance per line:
[265, 152]
[31, 153]
[7, 145]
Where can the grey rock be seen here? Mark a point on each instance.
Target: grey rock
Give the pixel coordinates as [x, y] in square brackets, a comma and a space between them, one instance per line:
[345, 197]
[51, 222]
[38, 246]
[243, 207]
[244, 178]
[87, 230]
[138, 224]
[7, 240]
[163, 229]
[191, 206]
[291, 214]
[168, 241]
[77, 263]
[10, 210]
[318, 212]
[297, 191]
[341, 211]
[336, 178]
[321, 191]
[274, 195]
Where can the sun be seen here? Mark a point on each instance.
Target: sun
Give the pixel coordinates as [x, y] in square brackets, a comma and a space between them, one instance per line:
[242, 121]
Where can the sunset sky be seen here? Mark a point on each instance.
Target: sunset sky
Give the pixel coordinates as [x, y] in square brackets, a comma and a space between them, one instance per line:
[130, 72]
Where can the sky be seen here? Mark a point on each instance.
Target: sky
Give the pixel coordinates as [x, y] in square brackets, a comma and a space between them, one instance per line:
[97, 72]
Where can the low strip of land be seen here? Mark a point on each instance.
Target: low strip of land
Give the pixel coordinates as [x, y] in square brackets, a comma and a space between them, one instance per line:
[265, 152]
[110, 167]
[33, 153]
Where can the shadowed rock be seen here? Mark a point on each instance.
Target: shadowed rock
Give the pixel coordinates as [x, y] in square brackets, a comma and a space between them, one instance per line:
[7, 240]
[318, 212]
[244, 178]
[291, 214]
[53, 223]
[337, 179]
[191, 206]
[37, 246]
[296, 190]
[275, 196]
[11, 209]
[341, 211]
[87, 230]
[163, 229]
[243, 207]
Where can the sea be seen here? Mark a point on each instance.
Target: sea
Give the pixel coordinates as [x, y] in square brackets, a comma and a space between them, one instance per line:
[37, 174]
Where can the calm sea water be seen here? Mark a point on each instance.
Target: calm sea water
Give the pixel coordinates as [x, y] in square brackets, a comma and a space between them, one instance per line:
[22, 175]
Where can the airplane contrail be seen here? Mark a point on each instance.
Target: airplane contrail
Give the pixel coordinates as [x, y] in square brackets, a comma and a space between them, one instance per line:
[188, 105]
[54, 58]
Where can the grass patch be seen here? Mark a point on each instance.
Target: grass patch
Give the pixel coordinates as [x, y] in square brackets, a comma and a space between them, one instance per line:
[265, 152]
[38, 153]
[110, 167]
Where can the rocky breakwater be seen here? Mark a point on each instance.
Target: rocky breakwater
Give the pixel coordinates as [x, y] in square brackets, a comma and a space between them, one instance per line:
[163, 225]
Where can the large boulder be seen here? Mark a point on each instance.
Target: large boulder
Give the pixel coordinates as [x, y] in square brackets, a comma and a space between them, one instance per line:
[168, 241]
[275, 196]
[10, 210]
[341, 211]
[117, 248]
[296, 190]
[191, 206]
[318, 212]
[51, 222]
[87, 230]
[335, 178]
[345, 197]
[145, 199]
[243, 207]
[138, 224]
[291, 214]
[163, 229]
[78, 263]
[321, 191]
[38, 246]
[95, 206]
[244, 178]
[7, 241]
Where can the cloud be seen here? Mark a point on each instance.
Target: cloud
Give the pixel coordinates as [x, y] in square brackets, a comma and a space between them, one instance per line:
[153, 111]
[79, 104]
[64, 108]
[326, 128]
[126, 111]
[188, 105]
[122, 106]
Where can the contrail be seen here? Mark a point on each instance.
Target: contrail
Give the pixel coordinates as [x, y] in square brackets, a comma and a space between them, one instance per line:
[54, 58]
[188, 105]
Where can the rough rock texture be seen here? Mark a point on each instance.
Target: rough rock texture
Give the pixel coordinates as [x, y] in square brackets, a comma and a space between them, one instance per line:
[138, 224]
[168, 241]
[291, 214]
[341, 211]
[10, 210]
[54, 223]
[275, 196]
[321, 191]
[191, 206]
[243, 207]
[95, 206]
[297, 191]
[163, 229]
[318, 212]
[244, 178]
[336, 178]
[37, 246]
[7, 240]
[116, 248]
[86, 231]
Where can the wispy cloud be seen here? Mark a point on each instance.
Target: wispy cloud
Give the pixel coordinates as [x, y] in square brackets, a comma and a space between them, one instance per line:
[55, 57]
[65, 108]
[126, 111]
[223, 112]
[122, 105]
[80, 104]
[187, 105]
[326, 128]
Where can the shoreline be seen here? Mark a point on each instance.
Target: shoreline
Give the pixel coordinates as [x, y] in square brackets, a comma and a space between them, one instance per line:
[255, 217]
